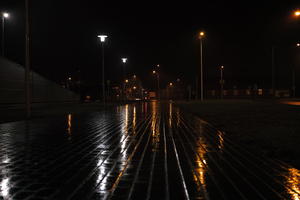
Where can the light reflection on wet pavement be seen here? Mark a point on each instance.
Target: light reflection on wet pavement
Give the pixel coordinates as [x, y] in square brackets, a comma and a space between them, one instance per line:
[138, 151]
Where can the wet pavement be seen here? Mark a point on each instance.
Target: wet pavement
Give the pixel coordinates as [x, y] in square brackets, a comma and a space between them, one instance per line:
[136, 151]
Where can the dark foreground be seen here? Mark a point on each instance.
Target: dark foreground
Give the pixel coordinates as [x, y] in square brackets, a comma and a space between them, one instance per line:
[142, 151]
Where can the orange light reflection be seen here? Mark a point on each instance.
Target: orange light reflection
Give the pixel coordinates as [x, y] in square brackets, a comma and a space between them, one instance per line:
[293, 103]
[69, 128]
[293, 183]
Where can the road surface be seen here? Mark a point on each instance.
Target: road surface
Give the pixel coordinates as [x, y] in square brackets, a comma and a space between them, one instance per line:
[137, 151]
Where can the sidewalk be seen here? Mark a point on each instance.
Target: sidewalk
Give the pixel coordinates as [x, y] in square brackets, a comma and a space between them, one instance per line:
[268, 126]
[16, 112]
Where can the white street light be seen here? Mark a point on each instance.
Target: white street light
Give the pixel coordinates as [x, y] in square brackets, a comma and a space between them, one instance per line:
[5, 15]
[102, 40]
[157, 75]
[124, 60]
[222, 81]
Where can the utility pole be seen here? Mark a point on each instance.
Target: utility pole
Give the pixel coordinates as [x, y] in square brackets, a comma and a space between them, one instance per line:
[273, 70]
[27, 62]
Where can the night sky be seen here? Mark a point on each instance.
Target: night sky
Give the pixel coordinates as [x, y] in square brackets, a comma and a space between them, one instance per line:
[239, 35]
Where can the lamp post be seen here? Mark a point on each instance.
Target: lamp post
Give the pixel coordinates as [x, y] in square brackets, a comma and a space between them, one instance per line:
[4, 16]
[294, 76]
[297, 15]
[124, 61]
[157, 76]
[27, 62]
[222, 81]
[102, 40]
[201, 36]
[158, 82]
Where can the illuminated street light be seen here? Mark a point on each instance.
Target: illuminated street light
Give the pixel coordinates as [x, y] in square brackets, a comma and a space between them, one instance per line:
[294, 77]
[134, 76]
[126, 81]
[69, 78]
[124, 61]
[201, 36]
[222, 81]
[170, 84]
[102, 40]
[134, 87]
[5, 15]
[157, 75]
[297, 13]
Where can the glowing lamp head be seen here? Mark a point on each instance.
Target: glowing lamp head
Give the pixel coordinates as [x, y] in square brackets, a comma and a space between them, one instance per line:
[153, 72]
[102, 37]
[297, 13]
[298, 44]
[157, 65]
[69, 78]
[124, 60]
[5, 15]
[126, 81]
[134, 87]
[134, 76]
[201, 34]
[171, 84]
[222, 67]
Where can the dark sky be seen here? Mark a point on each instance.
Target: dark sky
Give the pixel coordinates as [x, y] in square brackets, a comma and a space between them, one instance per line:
[239, 36]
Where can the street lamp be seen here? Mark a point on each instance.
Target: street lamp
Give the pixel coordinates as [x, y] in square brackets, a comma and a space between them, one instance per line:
[297, 13]
[4, 16]
[157, 76]
[221, 80]
[294, 76]
[201, 36]
[102, 40]
[124, 61]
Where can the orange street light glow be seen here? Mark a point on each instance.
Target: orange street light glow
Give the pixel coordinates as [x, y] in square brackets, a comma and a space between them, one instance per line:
[126, 81]
[297, 13]
[201, 34]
